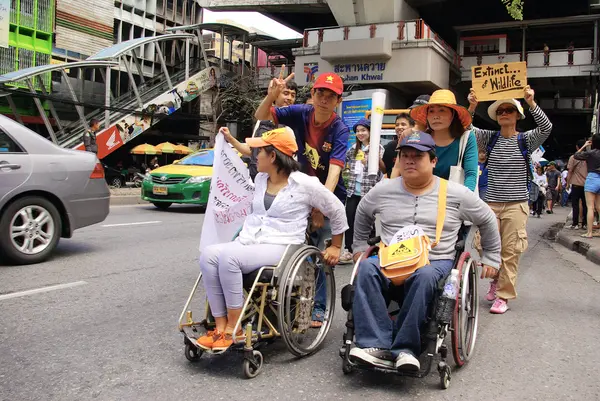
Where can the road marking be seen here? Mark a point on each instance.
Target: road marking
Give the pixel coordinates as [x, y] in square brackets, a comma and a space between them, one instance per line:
[139, 223]
[40, 290]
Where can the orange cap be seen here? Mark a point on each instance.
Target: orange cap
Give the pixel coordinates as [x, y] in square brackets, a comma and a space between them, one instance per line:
[281, 139]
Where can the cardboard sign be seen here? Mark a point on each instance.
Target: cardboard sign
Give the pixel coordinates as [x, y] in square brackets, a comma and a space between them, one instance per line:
[499, 81]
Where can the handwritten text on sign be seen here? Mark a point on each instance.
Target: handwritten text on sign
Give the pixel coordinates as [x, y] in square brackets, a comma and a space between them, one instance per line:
[499, 81]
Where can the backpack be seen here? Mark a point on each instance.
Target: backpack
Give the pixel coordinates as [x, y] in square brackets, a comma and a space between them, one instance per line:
[522, 141]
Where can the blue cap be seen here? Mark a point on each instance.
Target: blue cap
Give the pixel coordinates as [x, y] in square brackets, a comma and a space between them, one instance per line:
[364, 122]
[419, 140]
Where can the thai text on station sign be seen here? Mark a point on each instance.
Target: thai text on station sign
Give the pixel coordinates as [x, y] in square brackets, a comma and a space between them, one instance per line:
[499, 81]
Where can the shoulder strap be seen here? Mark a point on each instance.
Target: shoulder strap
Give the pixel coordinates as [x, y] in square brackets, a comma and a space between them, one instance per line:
[441, 213]
[522, 141]
[463, 146]
[490, 146]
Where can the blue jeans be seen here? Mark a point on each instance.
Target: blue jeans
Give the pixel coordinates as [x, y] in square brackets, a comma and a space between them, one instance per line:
[565, 198]
[318, 239]
[373, 326]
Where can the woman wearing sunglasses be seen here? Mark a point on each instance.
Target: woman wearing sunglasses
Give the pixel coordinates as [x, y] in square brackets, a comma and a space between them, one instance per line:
[508, 179]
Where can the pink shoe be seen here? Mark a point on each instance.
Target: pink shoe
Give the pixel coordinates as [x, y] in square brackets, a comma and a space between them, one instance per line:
[491, 294]
[499, 307]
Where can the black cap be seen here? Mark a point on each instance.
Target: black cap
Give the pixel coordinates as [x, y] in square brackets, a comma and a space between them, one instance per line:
[420, 101]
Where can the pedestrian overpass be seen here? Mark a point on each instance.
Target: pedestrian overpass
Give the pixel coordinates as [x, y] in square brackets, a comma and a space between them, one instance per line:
[128, 87]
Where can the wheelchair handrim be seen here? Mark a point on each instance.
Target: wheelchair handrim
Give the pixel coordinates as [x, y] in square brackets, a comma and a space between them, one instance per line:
[285, 296]
[466, 316]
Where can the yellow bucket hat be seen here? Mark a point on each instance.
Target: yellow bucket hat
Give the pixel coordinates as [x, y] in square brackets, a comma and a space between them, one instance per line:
[442, 97]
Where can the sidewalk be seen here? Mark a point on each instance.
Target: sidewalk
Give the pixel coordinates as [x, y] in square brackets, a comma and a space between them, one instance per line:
[125, 196]
[572, 239]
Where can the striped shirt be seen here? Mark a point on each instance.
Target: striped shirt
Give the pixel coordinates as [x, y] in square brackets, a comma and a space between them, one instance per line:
[507, 169]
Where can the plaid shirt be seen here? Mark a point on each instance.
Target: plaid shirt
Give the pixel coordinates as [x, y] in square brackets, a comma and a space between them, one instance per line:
[368, 181]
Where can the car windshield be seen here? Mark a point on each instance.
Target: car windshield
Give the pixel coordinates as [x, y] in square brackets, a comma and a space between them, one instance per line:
[199, 159]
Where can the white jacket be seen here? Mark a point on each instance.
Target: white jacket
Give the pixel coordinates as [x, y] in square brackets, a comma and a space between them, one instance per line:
[287, 219]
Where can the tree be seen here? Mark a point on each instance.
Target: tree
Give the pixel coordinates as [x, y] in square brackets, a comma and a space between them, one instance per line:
[514, 8]
[235, 99]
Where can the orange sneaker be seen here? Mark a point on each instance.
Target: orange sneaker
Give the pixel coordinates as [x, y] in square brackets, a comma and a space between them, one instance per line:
[225, 341]
[207, 340]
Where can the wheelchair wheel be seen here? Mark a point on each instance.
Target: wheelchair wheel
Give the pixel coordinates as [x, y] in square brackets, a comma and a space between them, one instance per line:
[466, 313]
[253, 367]
[298, 287]
[192, 353]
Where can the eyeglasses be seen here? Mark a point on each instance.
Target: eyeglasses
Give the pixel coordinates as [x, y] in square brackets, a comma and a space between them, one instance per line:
[508, 110]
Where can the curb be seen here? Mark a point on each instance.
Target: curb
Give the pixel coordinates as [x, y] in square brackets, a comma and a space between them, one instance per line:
[126, 200]
[592, 253]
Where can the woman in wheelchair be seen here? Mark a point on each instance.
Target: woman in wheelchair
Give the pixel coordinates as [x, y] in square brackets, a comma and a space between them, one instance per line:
[283, 201]
[436, 207]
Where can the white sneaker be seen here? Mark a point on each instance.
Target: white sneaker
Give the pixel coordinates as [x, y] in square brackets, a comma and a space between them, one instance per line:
[373, 356]
[346, 257]
[407, 362]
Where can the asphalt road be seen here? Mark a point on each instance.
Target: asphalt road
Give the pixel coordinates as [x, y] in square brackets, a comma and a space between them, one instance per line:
[111, 334]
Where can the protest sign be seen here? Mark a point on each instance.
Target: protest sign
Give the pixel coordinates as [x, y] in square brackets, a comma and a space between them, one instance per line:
[499, 81]
[230, 198]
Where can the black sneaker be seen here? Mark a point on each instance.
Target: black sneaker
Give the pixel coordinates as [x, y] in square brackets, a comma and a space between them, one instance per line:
[381, 358]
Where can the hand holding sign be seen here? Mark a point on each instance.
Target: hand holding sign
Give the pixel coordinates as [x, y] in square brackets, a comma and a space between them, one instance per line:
[278, 85]
[499, 81]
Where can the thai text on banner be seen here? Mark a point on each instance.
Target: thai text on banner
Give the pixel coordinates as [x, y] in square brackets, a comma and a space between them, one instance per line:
[230, 198]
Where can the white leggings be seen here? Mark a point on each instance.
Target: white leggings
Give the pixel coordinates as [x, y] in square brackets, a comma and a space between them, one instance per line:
[222, 266]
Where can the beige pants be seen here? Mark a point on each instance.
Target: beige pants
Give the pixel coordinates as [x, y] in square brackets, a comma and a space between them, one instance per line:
[512, 222]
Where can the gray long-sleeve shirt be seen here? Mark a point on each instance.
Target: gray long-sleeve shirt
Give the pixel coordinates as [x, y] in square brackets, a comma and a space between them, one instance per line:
[399, 208]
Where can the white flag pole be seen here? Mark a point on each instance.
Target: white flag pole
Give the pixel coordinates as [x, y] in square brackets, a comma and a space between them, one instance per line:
[378, 104]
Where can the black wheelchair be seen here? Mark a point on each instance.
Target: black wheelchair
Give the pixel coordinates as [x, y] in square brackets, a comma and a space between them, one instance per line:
[458, 319]
[279, 301]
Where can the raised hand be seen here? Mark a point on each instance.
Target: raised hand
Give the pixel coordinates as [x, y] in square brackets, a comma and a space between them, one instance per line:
[277, 85]
[529, 95]
[226, 133]
[472, 98]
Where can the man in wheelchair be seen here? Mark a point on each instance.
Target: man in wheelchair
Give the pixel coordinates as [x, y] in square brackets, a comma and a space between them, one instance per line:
[408, 201]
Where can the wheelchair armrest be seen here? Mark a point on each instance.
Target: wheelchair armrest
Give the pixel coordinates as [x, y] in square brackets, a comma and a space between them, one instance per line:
[374, 241]
[460, 245]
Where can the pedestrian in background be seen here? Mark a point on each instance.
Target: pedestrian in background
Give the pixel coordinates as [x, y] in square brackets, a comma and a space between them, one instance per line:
[537, 191]
[89, 138]
[482, 184]
[577, 173]
[359, 181]
[590, 152]
[554, 184]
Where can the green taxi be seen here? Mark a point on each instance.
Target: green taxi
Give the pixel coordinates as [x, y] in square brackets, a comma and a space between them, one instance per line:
[185, 181]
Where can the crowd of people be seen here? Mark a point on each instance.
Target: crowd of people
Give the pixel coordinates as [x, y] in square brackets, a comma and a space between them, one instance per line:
[439, 158]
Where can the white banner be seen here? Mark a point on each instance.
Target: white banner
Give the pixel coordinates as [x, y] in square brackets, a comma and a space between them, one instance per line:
[230, 198]
[377, 106]
[4, 22]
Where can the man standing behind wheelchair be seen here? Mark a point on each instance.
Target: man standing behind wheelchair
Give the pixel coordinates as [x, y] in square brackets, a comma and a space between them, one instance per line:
[283, 201]
[379, 341]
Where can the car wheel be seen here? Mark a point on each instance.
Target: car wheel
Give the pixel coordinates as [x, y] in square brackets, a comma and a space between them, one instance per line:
[162, 205]
[116, 182]
[30, 228]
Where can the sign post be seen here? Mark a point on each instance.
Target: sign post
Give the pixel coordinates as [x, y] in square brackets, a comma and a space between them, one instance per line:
[377, 108]
[499, 81]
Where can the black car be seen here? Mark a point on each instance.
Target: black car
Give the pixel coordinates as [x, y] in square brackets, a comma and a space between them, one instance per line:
[115, 178]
